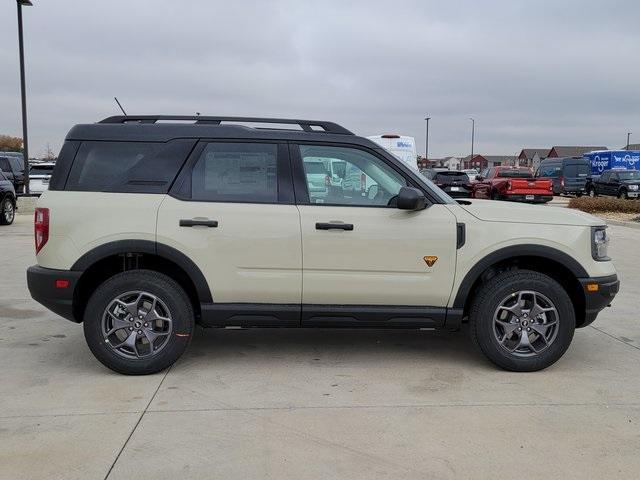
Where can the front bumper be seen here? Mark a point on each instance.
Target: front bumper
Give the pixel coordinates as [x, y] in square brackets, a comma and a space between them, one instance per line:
[597, 298]
[46, 287]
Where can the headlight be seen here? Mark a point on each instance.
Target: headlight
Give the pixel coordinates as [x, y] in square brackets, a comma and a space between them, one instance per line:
[633, 187]
[599, 243]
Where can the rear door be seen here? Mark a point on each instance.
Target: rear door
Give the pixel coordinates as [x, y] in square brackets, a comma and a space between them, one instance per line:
[232, 212]
[5, 166]
[361, 254]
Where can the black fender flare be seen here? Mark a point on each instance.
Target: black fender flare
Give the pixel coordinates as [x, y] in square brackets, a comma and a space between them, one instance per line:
[514, 251]
[153, 248]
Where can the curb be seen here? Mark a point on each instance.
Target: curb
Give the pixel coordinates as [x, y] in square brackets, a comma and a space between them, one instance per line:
[622, 223]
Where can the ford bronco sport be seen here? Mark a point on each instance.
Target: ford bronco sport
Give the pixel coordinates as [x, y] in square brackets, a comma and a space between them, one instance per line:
[153, 224]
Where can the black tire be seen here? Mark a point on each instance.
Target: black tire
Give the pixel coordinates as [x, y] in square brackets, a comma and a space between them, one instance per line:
[592, 192]
[496, 290]
[622, 193]
[7, 211]
[168, 292]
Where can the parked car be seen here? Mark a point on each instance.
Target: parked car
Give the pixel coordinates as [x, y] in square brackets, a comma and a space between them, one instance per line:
[39, 176]
[512, 183]
[167, 225]
[7, 200]
[472, 173]
[569, 175]
[13, 168]
[455, 183]
[617, 183]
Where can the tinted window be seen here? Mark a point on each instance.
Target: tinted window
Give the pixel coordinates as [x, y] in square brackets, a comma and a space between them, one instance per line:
[515, 173]
[367, 179]
[448, 177]
[41, 170]
[605, 177]
[236, 172]
[135, 167]
[550, 170]
[577, 170]
[4, 165]
[17, 163]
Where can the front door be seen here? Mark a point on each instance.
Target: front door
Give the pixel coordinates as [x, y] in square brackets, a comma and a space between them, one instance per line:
[360, 253]
[234, 216]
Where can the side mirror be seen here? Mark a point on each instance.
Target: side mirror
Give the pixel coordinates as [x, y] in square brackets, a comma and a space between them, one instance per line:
[479, 178]
[410, 198]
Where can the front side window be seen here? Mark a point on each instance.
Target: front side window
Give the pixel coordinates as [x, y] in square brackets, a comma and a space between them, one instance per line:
[236, 172]
[360, 179]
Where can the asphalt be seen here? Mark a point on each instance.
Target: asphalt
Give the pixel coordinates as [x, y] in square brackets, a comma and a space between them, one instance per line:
[315, 403]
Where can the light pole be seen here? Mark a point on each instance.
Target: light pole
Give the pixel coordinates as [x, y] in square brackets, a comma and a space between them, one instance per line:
[473, 133]
[23, 92]
[628, 135]
[426, 143]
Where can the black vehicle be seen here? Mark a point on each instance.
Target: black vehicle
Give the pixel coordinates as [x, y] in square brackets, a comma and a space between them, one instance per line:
[456, 184]
[617, 183]
[13, 168]
[569, 175]
[7, 200]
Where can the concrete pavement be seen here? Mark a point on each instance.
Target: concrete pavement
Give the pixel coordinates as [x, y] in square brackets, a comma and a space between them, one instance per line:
[315, 403]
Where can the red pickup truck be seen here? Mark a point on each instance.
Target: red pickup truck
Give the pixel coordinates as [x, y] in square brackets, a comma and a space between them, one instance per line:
[512, 183]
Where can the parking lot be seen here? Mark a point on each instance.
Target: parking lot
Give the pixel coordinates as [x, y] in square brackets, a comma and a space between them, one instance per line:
[315, 403]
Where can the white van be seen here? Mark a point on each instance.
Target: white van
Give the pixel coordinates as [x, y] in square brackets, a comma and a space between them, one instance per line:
[401, 146]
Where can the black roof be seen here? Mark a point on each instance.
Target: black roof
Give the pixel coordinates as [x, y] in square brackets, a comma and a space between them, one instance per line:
[162, 128]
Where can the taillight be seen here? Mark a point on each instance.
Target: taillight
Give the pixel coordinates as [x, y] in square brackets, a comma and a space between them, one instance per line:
[363, 182]
[509, 185]
[551, 187]
[41, 228]
[562, 181]
[327, 181]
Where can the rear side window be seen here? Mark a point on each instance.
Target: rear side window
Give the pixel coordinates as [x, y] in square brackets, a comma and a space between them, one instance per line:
[577, 170]
[550, 170]
[236, 172]
[127, 167]
[4, 165]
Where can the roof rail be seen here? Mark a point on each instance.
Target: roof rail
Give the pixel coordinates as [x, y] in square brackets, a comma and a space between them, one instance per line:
[306, 125]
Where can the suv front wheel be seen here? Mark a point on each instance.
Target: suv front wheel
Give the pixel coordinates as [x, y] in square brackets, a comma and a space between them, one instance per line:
[138, 322]
[522, 320]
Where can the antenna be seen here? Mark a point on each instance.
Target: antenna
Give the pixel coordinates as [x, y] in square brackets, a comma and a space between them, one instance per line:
[116, 99]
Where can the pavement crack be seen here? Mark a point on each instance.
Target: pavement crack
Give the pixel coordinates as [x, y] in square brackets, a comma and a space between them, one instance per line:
[615, 338]
[124, 445]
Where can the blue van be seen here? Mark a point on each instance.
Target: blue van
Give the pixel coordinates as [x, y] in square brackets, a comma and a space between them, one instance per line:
[569, 175]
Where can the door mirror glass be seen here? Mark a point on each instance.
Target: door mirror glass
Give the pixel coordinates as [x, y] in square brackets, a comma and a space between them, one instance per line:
[410, 198]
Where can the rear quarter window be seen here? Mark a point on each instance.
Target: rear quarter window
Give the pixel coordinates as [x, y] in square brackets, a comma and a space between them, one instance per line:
[127, 167]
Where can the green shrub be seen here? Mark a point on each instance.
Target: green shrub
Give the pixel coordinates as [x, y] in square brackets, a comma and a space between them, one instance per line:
[605, 204]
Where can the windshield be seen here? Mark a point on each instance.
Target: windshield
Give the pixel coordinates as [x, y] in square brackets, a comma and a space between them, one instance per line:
[315, 168]
[515, 173]
[629, 175]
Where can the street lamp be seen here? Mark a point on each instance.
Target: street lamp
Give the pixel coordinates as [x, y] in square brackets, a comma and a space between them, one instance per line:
[628, 135]
[473, 133]
[426, 144]
[20, 4]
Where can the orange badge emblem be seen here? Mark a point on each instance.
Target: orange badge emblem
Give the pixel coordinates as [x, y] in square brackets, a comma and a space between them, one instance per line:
[430, 260]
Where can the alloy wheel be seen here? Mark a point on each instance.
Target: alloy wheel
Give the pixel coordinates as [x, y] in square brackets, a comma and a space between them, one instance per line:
[136, 325]
[525, 323]
[9, 211]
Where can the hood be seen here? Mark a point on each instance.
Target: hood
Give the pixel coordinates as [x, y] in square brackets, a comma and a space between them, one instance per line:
[498, 211]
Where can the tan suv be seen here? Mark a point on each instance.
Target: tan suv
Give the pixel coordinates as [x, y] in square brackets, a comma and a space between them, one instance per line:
[153, 224]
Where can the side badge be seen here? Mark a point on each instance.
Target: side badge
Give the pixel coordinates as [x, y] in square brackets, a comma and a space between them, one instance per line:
[430, 260]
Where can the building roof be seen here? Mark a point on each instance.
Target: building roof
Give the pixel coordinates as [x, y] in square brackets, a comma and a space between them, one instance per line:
[632, 146]
[573, 151]
[529, 153]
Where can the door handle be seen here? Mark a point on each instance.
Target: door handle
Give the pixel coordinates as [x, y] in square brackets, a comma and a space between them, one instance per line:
[334, 226]
[194, 222]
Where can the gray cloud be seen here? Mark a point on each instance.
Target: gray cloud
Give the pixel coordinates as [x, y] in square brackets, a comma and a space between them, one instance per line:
[532, 74]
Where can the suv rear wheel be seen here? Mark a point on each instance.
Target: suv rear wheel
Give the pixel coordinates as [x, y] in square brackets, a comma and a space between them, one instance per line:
[138, 322]
[7, 211]
[522, 320]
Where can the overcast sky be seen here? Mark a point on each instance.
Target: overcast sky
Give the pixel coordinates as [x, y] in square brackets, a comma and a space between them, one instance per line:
[532, 73]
